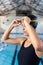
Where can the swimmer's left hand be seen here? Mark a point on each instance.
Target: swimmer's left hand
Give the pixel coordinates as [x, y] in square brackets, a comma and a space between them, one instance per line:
[25, 20]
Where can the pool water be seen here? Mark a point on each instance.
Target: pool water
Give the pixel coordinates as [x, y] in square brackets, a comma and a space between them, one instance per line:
[8, 52]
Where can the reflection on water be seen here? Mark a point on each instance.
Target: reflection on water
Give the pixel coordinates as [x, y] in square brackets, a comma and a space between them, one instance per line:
[2, 46]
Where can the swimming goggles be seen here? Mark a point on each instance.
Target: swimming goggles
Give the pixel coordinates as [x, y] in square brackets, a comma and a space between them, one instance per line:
[31, 21]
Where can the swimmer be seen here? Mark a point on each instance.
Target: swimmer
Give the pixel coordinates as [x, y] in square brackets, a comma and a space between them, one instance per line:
[31, 47]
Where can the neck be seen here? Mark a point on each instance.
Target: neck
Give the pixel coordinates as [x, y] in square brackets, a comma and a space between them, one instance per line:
[29, 40]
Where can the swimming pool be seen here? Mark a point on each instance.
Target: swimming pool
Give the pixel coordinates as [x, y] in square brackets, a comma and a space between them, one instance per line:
[7, 54]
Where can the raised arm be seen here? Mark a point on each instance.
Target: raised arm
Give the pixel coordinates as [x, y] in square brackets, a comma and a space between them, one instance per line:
[41, 46]
[33, 35]
[5, 37]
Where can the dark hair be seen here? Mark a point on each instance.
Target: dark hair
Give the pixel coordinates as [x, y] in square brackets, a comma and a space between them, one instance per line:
[34, 24]
[32, 17]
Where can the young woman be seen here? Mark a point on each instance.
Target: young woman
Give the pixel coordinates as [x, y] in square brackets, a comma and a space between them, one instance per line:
[31, 47]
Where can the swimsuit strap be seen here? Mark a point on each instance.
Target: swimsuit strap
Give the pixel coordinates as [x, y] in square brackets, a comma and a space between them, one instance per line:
[24, 42]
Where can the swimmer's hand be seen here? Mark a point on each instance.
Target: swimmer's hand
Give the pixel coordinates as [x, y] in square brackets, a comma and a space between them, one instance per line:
[25, 20]
[15, 23]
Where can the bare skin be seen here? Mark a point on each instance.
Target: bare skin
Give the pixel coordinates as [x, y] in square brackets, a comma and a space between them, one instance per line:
[28, 31]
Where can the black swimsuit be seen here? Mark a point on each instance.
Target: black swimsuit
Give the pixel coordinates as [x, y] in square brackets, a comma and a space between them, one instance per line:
[27, 56]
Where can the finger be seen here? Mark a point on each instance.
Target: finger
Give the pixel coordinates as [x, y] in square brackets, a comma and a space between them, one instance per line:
[16, 21]
[19, 20]
[16, 25]
[13, 21]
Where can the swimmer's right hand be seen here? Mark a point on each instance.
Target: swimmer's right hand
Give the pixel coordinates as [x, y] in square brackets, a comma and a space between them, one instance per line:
[15, 23]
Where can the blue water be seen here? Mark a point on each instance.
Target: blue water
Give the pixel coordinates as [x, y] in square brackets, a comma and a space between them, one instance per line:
[7, 54]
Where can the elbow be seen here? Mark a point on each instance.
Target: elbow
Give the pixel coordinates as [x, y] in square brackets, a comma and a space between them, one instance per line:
[2, 39]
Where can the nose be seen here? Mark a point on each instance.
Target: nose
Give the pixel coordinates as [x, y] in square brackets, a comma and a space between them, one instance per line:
[23, 27]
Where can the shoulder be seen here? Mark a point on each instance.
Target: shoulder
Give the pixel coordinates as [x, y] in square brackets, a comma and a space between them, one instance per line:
[21, 40]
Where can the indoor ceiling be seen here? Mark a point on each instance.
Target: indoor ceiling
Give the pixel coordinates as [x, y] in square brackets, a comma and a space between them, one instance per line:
[8, 5]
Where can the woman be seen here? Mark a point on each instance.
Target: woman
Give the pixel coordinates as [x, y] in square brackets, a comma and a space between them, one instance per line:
[31, 47]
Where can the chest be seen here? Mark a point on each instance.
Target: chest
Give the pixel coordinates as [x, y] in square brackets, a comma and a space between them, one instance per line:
[26, 52]
[27, 56]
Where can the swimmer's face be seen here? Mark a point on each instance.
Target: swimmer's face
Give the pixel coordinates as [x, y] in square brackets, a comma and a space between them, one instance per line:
[24, 30]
